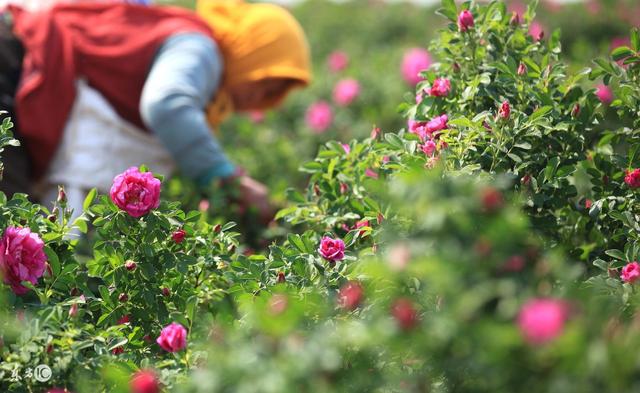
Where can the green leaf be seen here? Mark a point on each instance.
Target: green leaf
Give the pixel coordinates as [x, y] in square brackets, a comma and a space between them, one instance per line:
[297, 242]
[621, 52]
[88, 200]
[53, 260]
[635, 39]
[543, 110]
[616, 254]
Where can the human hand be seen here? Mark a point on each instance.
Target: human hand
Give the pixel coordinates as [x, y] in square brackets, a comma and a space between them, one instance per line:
[255, 194]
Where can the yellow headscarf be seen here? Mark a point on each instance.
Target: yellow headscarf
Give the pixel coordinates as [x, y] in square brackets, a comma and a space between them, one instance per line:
[257, 41]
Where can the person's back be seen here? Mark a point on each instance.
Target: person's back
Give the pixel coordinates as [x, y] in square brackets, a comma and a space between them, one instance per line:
[111, 46]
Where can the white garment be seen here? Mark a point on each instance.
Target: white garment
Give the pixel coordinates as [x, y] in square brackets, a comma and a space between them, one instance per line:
[97, 145]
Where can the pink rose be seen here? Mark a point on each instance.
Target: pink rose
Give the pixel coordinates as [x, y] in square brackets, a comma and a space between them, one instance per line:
[465, 20]
[346, 91]
[350, 295]
[440, 87]
[22, 258]
[338, 61]
[536, 30]
[319, 117]
[256, 117]
[414, 61]
[135, 192]
[632, 178]
[331, 249]
[631, 272]
[542, 320]
[173, 337]
[604, 93]
[144, 381]
[429, 147]
[346, 148]
[505, 110]
[438, 123]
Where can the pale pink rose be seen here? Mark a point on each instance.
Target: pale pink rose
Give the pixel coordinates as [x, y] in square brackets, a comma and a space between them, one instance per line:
[631, 272]
[604, 93]
[173, 337]
[414, 61]
[256, 116]
[536, 30]
[465, 20]
[617, 42]
[331, 249]
[429, 147]
[517, 6]
[440, 87]
[338, 61]
[542, 320]
[135, 192]
[593, 7]
[346, 91]
[22, 258]
[371, 173]
[319, 116]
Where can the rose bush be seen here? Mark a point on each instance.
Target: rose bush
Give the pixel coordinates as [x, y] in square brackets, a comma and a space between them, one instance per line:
[490, 245]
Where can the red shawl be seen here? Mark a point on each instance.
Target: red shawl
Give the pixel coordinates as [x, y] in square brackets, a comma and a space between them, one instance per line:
[110, 45]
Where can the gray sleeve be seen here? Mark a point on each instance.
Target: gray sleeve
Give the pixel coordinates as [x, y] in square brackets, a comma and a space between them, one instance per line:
[183, 78]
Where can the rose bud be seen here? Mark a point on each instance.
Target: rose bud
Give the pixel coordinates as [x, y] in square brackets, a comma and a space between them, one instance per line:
[350, 295]
[130, 265]
[405, 314]
[505, 110]
[465, 20]
[522, 69]
[575, 111]
[492, 199]
[178, 236]
[281, 278]
[62, 196]
[515, 19]
[166, 292]
[217, 228]
[73, 311]
[123, 297]
[117, 351]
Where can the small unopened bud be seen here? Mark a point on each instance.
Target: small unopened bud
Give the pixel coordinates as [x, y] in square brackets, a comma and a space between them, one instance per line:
[166, 292]
[375, 132]
[73, 311]
[49, 348]
[456, 67]
[130, 265]
[380, 218]
[343, 188]
[62, 196]
[316, 190]
[231, 249]
[281, 278]
[123, 297]
[505, 110]
[526, 180]
[575, 111]
[52, 217]
[217, 228]
[515, 19]
[522, 69]
[74, 292]
[178, 236]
